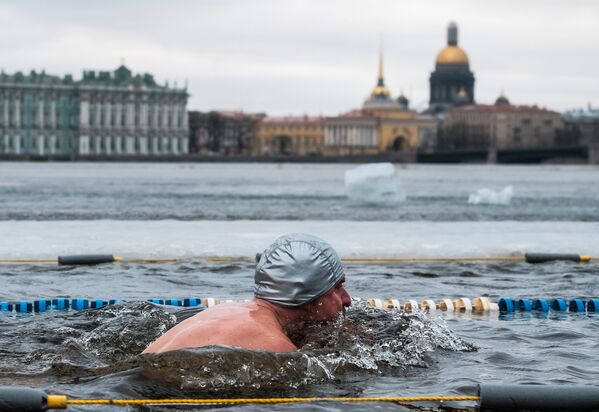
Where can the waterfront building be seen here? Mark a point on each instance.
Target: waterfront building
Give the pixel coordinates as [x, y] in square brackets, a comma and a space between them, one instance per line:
[499, 126]
[103, 114]
[222, 133]
[352, 133]
[289, 136]
[584, 125]
[452, 81]
[382, 126]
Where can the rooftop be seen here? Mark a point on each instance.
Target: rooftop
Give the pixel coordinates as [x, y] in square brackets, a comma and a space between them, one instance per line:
[294, 119]
[500, 108]
[239, 114]
[121, 77]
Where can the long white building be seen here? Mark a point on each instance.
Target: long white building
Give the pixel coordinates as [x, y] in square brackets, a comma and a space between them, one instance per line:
[104, 113]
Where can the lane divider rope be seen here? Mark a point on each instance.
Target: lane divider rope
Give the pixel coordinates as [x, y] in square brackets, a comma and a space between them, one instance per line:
[480, 304]
[531, 257]
[236, 401]
[490, 397]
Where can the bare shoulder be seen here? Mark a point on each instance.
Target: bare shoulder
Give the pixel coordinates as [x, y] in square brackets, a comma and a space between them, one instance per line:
[243, 325]
[247, 326]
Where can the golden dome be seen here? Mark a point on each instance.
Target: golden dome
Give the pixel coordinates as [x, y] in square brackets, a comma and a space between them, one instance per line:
[452, 55]
[380, 91]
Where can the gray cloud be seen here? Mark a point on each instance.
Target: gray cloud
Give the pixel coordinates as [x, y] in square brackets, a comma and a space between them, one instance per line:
[313, 56]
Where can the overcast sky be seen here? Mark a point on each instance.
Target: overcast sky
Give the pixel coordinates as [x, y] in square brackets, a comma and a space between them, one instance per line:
[304, 56]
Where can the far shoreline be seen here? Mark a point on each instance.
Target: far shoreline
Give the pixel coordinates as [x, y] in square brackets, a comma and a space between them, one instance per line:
[478, 157]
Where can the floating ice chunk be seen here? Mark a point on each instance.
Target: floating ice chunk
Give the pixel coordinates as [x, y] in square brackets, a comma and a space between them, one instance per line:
[490, 197]
[374, 183]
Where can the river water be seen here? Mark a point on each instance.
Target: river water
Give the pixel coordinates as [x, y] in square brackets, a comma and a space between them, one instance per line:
[194, 211]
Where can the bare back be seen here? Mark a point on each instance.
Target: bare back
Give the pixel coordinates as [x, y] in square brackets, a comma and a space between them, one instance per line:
[245, 325]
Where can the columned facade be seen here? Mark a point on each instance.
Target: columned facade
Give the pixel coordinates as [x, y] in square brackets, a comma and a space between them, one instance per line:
[103, 114]
[351, 134]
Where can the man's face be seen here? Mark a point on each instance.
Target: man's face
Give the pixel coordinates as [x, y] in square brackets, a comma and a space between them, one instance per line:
[330, 305]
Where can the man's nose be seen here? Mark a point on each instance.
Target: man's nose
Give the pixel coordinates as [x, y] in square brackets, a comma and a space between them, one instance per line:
[345, 298]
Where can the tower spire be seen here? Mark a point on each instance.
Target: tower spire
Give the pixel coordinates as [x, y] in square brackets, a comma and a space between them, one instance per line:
[380, 92]
[452, 34]
[381, 80]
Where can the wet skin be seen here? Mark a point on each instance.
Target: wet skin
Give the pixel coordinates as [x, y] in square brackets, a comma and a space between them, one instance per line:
[255, 325]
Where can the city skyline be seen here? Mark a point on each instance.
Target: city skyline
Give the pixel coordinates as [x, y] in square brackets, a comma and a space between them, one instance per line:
[313, 58]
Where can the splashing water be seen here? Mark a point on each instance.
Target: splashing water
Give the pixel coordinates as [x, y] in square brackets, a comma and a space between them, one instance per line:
[366, 340]
[108, 341]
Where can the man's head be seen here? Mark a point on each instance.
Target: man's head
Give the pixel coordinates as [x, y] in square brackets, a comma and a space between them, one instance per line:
[300, 270]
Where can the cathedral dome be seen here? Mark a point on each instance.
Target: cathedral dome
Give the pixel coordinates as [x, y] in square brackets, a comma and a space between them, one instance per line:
[403, 101]
[502, 100]
[452, 55]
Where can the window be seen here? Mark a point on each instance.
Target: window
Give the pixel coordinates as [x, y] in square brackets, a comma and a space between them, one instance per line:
[516, 136]
[92, 118]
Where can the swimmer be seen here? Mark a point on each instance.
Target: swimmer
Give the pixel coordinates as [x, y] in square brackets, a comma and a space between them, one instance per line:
[298, 279]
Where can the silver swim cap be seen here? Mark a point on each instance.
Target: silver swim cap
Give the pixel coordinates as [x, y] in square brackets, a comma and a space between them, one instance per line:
[296, 269]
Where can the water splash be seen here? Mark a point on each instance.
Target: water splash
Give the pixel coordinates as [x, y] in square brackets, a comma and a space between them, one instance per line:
[107, 342]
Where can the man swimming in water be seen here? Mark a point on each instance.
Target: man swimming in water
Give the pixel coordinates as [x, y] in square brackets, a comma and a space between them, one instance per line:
[298, 279]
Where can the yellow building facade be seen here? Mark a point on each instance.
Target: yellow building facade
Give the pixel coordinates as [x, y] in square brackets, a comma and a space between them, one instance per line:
[382, 126]
[289, 136]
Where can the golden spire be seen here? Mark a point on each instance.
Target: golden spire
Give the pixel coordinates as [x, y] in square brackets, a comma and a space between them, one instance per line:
[381, 70]
[380, 90]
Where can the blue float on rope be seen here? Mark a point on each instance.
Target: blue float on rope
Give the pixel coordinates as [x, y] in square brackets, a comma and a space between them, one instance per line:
[506, 305]
[172, 302]
[5, 307]
[577, 305]
[541, 305]
[187, 302]
[79, 304]
[559, 305]
[156, 301]
[98, 303]
[60, 304]
[593, 305]
[41, 305]
[24, 307]
[524, 305]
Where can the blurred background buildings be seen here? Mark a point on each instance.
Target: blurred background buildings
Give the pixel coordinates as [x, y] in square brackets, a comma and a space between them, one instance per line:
[118, 114]
[104, 113]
